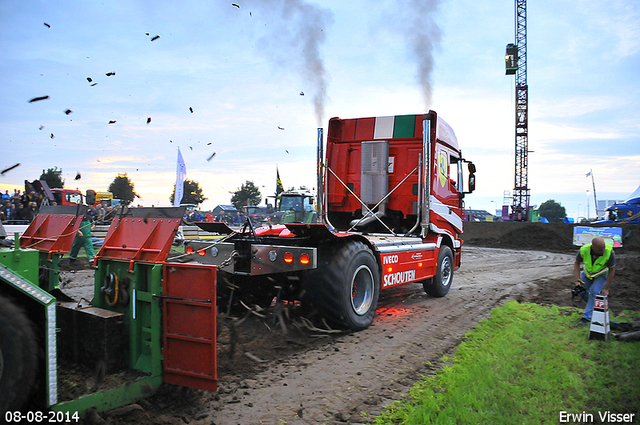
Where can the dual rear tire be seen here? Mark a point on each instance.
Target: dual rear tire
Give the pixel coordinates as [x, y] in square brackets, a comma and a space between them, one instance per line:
[346, 286]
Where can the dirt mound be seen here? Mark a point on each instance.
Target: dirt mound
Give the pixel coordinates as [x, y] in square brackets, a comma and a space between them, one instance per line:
[535, 237]
[625, 291]
[558, 237]
[519, 236]
[553, 237]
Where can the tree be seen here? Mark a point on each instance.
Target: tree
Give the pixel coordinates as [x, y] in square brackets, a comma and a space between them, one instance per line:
[191, 193]
[553, 211]
[248, 194]
[122, 188]
[53, 177]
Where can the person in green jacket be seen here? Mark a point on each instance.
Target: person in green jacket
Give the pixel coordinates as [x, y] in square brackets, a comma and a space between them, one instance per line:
[83, 239]
[599, 262]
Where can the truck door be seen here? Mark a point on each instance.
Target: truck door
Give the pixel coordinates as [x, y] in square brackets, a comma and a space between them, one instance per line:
[446, 204]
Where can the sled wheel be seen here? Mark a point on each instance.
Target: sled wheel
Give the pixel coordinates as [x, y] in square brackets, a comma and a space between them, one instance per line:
[440, 284]
[18, 357]
[348, 285]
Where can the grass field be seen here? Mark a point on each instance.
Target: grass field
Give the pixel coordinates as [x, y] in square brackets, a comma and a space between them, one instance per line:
[528, 364]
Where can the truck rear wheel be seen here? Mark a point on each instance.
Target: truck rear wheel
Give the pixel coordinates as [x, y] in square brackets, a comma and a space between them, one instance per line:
[18, 357]
[348, 285]
[439, 285]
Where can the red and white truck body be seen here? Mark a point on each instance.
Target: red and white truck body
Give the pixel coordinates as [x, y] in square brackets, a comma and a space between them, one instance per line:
[371, 157]
[390, 208]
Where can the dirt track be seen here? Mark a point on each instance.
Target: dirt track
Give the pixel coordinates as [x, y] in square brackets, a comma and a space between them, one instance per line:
[362, 372]
[310, 377]
[347, 375]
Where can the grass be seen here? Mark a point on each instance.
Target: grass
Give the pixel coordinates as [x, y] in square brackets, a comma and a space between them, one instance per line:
[525, 365]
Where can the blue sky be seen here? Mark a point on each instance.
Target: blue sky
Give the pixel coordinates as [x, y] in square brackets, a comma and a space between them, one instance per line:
[242, 70]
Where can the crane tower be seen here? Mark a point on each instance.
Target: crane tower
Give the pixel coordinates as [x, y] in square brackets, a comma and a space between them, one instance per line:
[516, 63]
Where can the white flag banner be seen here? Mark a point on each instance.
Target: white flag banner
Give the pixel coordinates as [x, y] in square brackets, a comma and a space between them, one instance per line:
[181, 173]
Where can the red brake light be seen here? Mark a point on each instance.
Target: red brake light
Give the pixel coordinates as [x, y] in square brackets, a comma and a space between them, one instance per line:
[288, 257]
[201, 253]
[189, 249]
[304, 259]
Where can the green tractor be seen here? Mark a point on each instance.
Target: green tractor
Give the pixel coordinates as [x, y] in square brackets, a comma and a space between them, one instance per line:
[294, 206]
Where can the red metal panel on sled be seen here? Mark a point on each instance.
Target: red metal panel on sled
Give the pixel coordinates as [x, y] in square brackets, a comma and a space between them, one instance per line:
[53, 229]
[139, 239]
[189, 325]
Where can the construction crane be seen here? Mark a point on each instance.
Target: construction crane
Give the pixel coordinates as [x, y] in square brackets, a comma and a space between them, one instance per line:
[516, 63]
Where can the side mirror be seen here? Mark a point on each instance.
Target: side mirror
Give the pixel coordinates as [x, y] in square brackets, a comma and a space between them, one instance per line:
[472, 182]
[90, 196]
[472, 168]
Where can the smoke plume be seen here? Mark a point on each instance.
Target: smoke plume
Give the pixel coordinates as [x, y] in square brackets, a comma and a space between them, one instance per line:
[423, 34]
[297, 31]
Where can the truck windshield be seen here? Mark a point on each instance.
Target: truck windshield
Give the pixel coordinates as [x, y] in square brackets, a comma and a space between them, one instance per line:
[74, 198]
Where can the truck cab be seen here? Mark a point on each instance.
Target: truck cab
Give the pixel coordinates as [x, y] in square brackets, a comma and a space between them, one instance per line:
[407, 170]
[68, 196]
[390, 212]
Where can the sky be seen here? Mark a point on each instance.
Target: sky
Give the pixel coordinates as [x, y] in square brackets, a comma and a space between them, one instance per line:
[253, 80]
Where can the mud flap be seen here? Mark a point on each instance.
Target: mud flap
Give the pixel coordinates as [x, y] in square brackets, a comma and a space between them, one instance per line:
[189, 325]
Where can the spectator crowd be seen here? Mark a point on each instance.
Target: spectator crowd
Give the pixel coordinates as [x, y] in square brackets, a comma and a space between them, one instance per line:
[230, 218]
[20, 207]
[223, 217]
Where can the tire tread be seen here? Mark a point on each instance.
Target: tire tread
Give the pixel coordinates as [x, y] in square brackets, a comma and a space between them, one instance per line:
[20, 352]
[326, 286]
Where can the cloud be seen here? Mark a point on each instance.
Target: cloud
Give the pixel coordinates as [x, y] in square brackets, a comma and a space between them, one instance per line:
[549, 135]
[617, 19]
[565, 173]
[574, 106]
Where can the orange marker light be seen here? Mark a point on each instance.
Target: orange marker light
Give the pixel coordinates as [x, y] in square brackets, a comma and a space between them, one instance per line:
[390, 269]
[304, 259]
[288, 257]
[419, 264]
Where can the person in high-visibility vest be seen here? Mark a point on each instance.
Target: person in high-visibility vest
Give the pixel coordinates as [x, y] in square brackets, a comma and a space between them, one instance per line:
[599, 263]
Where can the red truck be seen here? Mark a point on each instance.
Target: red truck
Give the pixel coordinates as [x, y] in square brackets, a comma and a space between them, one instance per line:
[57, 195]
[70, 196]
[390, 212]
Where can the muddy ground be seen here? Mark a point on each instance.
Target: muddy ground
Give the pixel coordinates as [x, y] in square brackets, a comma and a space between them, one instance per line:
[312, 376]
